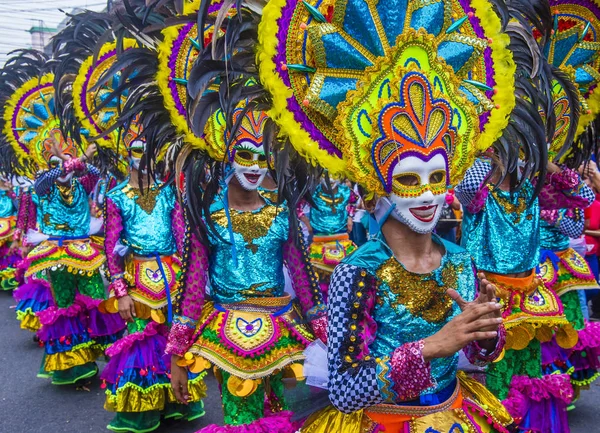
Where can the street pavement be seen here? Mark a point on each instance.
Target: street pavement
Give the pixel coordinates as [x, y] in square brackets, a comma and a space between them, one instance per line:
[32, 405]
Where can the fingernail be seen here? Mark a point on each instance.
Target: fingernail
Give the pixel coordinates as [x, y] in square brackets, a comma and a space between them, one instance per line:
[499, 320]
[498, 305]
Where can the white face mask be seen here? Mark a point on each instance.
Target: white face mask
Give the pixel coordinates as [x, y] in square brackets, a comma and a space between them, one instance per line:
[419, 192]
[249, 165]
[136, 147]
[66, 179]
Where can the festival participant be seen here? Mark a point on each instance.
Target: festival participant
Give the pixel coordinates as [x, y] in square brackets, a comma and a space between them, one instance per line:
[329, 223]
[146, 220]
[73, 331]
[249, 240]
[33, 294]
[405, 121]
[9, 247]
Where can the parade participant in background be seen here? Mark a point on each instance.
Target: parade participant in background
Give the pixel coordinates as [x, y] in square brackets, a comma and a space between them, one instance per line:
[9, 245]
[405, 123]
[144, 234]
[561, 268]
[246, 239]
[329, 223]
[74, 332]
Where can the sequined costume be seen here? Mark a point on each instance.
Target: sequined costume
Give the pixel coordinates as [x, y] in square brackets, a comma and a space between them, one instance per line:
[508, 225]
[8, 257]
[74, 331]
[34, 294]
[329, 221]
[565, 271]
[248, 328]
[150, 225]
[379, 313]
[378, 92]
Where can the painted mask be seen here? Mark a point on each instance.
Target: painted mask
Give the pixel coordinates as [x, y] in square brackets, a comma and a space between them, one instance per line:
[136, 146]
[419, 191]
[247, 154]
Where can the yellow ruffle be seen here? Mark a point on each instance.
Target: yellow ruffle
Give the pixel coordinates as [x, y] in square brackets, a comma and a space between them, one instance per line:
[60, 259]
[131, 398]
[65, 360]
[29, 321]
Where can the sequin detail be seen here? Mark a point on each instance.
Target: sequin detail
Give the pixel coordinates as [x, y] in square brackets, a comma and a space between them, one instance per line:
[251, 225]
[422, 296]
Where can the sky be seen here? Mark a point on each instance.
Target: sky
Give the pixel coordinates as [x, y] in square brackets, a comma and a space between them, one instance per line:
[18, 16]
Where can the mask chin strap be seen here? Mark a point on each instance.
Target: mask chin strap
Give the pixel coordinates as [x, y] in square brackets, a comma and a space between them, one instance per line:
[383, 209]
[225, 192]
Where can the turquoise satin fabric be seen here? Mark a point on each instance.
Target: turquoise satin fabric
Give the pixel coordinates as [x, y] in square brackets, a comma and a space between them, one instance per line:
[395, 324]
[500, 241]
[327, 220]
[58, 218]
[259, 270]
[7, 208]
[146, 234]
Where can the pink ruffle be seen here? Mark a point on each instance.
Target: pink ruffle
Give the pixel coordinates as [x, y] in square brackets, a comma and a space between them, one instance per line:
[278, 423]
[50, 315]
[589, 337]
[523, 388]
[34, 289]
[151, 329]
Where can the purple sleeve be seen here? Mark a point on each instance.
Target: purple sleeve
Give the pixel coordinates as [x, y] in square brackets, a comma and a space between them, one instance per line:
[192, 299]
[178, 225]
[479, 356]
[472, 191]
[113, 226]
[304, 279]
[90, 179]
[565, 190]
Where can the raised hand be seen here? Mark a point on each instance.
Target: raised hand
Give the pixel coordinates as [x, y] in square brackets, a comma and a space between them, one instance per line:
[479, 321]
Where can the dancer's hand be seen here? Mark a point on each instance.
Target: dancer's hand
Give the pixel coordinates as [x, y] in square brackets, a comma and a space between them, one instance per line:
[475, 323]
[487, 293]
[90, 151]
[126, 308]
[179, 381]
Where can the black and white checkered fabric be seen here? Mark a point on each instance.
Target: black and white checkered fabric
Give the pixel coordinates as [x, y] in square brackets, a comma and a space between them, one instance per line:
[571, 226]
[474, 177]
[348, 392]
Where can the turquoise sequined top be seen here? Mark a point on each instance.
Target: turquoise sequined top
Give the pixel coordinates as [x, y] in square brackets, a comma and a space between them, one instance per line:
[147, 222]
[59, 215]
[552, 238]
[396, 312]
[504, 237]
[330, 214]
[259, 237]
[7, 207]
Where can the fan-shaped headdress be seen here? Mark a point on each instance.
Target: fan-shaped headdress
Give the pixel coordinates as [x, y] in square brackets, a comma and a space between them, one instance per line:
[573, 49]
[357, 85]
[30, 121]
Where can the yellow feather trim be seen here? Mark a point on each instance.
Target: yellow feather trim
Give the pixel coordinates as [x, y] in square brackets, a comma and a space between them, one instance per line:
[308, 148]
[165, 51]
[585, 119]
[503, 99]
[80, 97]
[505, 70]
[25, 157]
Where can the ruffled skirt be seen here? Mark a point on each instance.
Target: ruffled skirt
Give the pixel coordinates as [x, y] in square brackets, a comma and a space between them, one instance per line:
[471, 406]
[32, 298]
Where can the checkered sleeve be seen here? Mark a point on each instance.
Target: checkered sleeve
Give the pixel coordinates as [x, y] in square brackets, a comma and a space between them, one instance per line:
[571, 222]
[46, 179]
[469, 191]
[354, 388]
